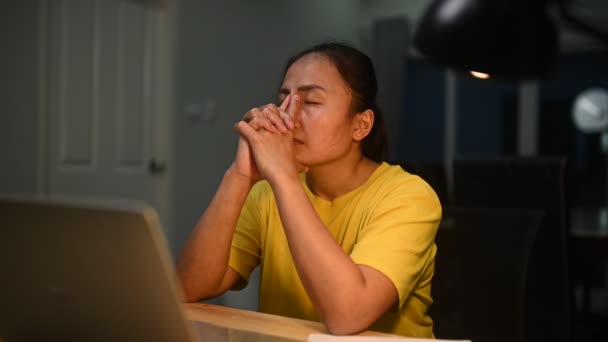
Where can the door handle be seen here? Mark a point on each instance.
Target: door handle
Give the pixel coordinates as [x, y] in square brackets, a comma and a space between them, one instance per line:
[156, 167]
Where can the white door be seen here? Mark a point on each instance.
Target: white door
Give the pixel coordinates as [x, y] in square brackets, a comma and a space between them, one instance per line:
[109, 92]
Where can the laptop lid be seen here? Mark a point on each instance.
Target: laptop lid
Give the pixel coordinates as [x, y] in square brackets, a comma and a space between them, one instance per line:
[86, 270]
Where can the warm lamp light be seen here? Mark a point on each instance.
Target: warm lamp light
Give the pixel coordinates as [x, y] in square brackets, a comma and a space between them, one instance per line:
[480, 75]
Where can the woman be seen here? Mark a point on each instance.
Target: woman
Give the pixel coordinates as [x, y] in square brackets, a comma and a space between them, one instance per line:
[348, 242]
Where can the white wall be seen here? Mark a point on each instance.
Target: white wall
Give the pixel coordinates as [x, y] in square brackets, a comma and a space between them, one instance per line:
[18, 95]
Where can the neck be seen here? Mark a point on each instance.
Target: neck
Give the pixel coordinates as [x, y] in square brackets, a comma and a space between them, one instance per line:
[332, 180]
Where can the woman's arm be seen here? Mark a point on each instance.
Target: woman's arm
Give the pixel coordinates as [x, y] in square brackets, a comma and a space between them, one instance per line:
[348, 297]
[202, 266]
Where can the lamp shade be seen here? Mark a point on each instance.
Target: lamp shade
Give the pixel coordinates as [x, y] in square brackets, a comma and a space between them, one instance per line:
[507, 39]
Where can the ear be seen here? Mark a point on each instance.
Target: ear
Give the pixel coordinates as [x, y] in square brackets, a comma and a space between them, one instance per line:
[362, 124]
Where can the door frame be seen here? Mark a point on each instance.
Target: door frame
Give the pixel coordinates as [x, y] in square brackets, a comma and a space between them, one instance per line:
[168, 43]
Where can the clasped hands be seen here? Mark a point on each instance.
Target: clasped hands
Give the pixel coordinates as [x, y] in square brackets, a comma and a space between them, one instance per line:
[266, 149]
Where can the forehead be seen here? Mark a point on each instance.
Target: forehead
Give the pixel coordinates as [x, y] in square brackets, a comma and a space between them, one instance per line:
[314, 69]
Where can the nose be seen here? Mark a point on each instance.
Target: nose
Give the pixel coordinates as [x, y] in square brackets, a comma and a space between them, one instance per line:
[297, 116]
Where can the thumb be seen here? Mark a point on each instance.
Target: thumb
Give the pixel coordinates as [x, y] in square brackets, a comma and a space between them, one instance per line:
[245, 130]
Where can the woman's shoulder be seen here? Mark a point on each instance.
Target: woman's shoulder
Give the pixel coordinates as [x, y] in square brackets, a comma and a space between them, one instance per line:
[398, 191]
[395, 180]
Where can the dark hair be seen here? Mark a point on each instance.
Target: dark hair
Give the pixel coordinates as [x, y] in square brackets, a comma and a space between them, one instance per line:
[357, 70]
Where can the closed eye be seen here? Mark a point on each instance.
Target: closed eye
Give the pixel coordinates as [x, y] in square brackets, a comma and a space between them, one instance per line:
[311, 103]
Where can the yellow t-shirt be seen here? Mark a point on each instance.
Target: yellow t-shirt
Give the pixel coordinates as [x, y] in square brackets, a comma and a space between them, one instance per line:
[388, 223]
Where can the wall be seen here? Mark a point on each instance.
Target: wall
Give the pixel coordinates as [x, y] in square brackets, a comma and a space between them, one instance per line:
[19, 91]
[411, 9]
[422, 121]
[231, 55]
[371, 10]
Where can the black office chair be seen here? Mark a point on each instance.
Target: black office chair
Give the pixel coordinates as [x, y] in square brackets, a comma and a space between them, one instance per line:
[536, 184]
[480, 273]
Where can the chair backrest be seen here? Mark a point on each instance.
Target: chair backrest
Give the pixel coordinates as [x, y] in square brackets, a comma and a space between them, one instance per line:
[480, 273]
[537, 184]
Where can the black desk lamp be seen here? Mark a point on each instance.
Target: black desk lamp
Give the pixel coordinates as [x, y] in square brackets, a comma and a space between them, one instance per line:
[505, 39]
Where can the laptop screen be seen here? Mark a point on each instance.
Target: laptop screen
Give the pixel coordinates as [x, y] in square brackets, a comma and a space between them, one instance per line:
[86, 270]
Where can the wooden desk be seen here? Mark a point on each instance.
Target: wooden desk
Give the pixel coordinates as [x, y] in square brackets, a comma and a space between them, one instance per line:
[220, 323]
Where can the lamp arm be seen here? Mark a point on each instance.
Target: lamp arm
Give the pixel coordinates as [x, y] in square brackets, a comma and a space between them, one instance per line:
[580, 25]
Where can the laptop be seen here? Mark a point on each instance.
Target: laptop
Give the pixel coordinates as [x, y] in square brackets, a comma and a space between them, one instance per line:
[86, 270]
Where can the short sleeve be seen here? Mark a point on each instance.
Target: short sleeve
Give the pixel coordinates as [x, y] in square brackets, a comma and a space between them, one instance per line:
[398, 239]
[246, 247]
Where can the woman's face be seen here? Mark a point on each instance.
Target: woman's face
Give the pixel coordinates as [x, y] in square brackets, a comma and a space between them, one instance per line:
[324, 129]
